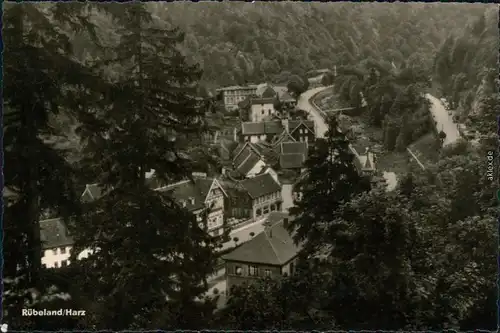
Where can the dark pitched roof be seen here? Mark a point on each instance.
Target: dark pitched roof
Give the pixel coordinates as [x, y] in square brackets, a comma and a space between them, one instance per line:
[283, 137]
[267, 127]
[242, 156]
[239, 148]
[268, 93]
[92, 192]
[53, 233]
[294, 148]
[251, 128]
[273, 246]
[273, 127]
[296, 124]
[254, 100]
[190, 193]
[292, 161]
[248, 164]
[260, 185]
[286, 97]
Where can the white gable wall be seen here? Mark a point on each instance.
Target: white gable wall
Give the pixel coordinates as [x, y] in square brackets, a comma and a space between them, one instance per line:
[257, 168]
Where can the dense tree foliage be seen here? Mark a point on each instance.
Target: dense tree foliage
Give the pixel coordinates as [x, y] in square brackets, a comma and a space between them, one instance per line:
[42, 80]
[420, 258]
[243, 42]
[466, 70]
[332, 178]
[149, 257]
[392, 98]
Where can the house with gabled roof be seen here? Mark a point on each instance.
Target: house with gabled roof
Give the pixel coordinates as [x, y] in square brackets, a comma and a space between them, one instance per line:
[56, 243]
[292, 155]
[264, 193]
[92, 192]
[272, 253]
[250, 159]
[302, 130]
[257, 109]
[260, 131]
[201, 195]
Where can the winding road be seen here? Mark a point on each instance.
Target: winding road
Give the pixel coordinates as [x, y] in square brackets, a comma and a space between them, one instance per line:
[444, 120]
[304, 103]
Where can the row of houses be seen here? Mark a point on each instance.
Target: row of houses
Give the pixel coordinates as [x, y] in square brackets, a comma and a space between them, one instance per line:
[220, 201]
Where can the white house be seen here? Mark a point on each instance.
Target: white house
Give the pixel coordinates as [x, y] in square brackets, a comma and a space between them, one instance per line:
[56, 243]
[258, 109]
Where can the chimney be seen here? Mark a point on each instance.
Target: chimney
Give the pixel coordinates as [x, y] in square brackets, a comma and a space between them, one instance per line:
[285, 222]
[284, 122]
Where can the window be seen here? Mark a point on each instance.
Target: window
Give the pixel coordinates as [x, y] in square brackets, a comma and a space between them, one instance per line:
[267, 273]
[306, 138]
[273, 208]
[253, 271]
[259, 212]
[238, 270]
[54, 251]
[64, 263]
[262, 112]
[266, 210]
[63, 250]
[56, 264]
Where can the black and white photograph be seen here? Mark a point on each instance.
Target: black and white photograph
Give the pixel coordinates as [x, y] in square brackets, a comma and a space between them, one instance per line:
[250, 166]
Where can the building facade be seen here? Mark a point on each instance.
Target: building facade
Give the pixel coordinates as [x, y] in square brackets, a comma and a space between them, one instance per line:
[56, 243]
[233, 95]
[302, 130]
[272, 253]
[265, 195]
[202, 196]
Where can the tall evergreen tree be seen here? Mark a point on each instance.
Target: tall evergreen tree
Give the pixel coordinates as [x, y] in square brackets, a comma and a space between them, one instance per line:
[149, 257]
[332, 179]
[41, 80]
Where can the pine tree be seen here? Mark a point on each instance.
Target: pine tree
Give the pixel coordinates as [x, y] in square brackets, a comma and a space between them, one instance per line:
[149, 257]
[331, 180]
[41, 81]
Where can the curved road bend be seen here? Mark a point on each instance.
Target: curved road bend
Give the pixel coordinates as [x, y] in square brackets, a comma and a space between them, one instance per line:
[444, 120]
[305, 104]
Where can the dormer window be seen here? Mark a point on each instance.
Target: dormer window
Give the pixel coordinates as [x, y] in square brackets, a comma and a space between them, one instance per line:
[183, 203]
[191, 201]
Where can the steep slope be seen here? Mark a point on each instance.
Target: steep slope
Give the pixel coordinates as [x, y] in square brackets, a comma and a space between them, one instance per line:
[237, 42]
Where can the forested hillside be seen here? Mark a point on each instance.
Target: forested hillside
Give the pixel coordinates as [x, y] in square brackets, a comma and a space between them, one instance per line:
[466, 70]
[238, 42]
[235, 42]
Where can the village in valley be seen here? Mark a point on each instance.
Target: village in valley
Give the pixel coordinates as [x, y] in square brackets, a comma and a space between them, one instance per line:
[234, 180]
[262, 146]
